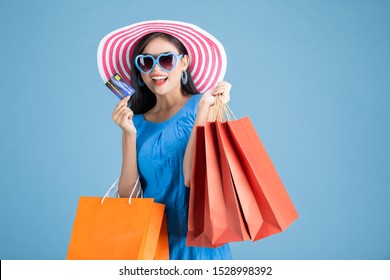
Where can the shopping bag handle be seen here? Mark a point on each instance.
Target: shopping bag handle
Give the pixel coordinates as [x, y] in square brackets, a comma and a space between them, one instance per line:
[222, 112]
[115, 184]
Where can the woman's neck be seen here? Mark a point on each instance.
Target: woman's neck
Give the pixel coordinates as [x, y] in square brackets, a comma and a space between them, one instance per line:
[169, 101]
[166, 106]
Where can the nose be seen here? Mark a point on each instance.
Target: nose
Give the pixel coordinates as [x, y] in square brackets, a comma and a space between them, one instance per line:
[156, 69]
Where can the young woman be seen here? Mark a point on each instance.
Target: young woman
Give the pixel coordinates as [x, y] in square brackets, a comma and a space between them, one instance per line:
[158, 128]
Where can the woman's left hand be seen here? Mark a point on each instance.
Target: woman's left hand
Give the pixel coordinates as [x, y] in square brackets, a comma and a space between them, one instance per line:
[222, 88]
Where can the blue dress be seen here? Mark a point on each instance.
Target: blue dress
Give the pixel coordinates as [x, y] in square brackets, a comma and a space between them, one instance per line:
[160, 153]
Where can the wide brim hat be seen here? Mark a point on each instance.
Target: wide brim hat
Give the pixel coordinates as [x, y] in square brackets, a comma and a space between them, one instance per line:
[207, 55]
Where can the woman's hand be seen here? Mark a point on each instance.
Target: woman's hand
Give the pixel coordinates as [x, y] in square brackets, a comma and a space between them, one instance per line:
[123, 116]
[222, 88]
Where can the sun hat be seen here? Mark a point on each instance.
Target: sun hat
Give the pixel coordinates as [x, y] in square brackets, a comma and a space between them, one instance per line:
[207, 55]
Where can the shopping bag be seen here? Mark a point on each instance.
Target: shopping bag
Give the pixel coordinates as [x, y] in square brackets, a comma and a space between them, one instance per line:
[244, 213]
[116, 230]
[214, 213]
[200, 232]
[162, 250]
[276, 209]
[155, 242]
[223, 223]
[196, 210]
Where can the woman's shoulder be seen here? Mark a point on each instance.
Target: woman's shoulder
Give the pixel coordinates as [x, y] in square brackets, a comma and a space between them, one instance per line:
[187, 115]
[193, 102]
[196, 97]
[137, 120]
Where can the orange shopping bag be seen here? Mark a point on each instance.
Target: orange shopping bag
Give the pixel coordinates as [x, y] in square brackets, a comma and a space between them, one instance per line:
[113, 229]
[274, 207]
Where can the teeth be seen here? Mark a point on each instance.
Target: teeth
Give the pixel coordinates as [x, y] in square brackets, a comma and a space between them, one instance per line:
[158, 78]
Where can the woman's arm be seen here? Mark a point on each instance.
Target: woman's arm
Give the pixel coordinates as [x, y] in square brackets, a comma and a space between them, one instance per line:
[204, 113]
[129, 172]
[201, 118]
[123, 116]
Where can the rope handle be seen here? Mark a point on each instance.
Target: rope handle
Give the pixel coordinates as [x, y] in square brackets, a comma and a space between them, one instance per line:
[221, 111]
[115, 185]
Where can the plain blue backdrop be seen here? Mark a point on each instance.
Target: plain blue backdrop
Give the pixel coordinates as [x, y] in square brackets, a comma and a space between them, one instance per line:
[312, 75]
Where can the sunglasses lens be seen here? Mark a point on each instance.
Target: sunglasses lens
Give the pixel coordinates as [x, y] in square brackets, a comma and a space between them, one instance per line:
[167, 61]
[145, 63]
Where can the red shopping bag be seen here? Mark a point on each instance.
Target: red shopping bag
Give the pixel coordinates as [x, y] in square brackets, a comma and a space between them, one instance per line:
[277, 211]
[236, 193]
[214, 213]
[196, 211]
[223, 222]
[117, 230]
[244, 208]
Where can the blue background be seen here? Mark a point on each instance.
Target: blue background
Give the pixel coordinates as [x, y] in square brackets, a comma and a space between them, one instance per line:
[312, 75]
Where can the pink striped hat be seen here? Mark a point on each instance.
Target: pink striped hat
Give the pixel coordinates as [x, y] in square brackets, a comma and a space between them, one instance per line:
[207, 55]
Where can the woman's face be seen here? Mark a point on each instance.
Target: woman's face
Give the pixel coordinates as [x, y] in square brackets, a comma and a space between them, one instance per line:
[159, 81]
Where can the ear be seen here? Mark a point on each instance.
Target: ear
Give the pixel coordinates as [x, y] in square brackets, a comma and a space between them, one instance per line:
[185, 61]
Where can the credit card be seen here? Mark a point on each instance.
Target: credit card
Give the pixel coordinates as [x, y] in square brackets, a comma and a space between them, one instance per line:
[119, 86]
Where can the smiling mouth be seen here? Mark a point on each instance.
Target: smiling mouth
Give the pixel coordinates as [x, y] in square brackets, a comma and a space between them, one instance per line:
[159, 80]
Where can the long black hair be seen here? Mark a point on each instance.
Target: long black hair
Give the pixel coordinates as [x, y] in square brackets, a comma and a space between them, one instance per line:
[144, 99]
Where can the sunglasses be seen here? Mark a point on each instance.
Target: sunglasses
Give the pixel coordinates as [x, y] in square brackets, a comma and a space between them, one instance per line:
[166, 61]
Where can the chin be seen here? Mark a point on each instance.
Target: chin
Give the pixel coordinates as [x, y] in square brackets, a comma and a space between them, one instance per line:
[159, 91]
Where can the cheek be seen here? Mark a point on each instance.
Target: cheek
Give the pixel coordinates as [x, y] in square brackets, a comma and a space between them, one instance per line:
[176, 74]
[175, 79]
[147, 80]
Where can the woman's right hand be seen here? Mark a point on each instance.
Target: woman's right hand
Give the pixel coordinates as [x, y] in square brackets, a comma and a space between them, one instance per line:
[123, 116]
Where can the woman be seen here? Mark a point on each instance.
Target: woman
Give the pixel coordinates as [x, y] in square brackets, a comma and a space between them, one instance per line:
[157, 129]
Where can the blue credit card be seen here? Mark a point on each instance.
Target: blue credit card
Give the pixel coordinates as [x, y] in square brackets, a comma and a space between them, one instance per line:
[119, 86]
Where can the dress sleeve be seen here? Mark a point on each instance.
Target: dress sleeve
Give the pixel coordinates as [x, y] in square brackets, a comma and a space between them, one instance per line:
[138, 120]
[195, 102]
[185, 123]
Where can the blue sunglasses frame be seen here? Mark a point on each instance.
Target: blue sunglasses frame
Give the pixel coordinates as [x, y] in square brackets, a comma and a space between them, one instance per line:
[156, 61]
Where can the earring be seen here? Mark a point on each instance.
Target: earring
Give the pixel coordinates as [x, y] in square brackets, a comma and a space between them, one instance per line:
[140, 81]
[184, 77]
